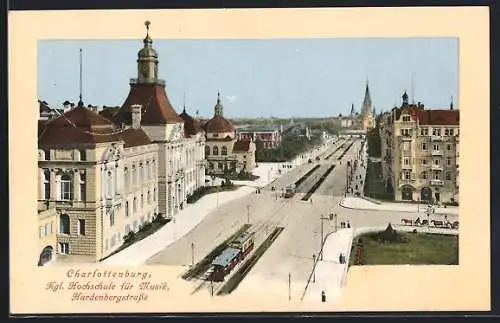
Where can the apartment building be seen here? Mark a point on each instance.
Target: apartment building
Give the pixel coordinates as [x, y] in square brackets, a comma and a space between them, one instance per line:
[420, 152]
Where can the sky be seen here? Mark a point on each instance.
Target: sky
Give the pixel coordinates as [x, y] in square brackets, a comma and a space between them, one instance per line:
[313, 77]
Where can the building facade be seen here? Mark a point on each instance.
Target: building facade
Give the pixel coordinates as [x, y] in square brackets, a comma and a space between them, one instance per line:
[420, 152]
[96, 183]
[223, 150]
[270, 138]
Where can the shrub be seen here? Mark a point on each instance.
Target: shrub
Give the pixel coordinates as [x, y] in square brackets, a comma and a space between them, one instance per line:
[129, 237]
[390, 235]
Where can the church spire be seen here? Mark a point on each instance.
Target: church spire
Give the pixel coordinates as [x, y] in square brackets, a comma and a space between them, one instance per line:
[451, 103]
[218, 109]
[367, 102]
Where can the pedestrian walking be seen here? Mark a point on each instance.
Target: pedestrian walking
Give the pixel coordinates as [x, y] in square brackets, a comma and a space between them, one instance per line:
[348, 224]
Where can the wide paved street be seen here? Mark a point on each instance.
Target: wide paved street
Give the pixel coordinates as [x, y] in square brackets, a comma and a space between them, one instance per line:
[292, 253]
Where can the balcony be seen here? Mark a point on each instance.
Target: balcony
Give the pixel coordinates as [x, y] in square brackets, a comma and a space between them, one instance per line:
[437, 182]
[407, 182]
[406, 138]
[437, 153]
[436, 167]
[436, 138]
[403, 166]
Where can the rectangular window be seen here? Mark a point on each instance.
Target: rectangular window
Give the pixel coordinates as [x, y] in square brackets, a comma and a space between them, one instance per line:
[448, 176]
[448, 147]
[83, 191]
[81, 227]
[407, 175]
[135, 225]
[406, 161]
[42, 231]
[435, 147]
[424, 132]
[446, 132]
[64, 247]
[112, 218]
[436, 176]
[448, 161]
[424, 175]
[452, 132]
[113, 241]
[46, 184]
[424, 161]
[106, 244]
[66, 189]
[424, 146]
[436, 162]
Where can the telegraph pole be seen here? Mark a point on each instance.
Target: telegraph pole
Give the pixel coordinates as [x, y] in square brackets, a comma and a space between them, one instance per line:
[248, 213]
[192, 253]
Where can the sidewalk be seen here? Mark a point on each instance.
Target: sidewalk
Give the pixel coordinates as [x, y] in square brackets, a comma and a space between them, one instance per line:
[358, 203]
[183, 222]
[329, 274]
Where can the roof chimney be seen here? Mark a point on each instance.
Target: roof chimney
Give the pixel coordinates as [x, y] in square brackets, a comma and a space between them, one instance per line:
[136, 116]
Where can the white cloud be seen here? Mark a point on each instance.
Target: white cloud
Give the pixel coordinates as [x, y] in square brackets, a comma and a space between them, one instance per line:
[231, 98]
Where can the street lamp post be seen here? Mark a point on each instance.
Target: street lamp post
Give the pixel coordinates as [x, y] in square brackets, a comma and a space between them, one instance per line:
[335, 215]
[289, 286]
[314, 267]
[322, 237]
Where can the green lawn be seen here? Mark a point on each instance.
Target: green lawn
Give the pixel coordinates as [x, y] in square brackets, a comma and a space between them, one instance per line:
[422, 248]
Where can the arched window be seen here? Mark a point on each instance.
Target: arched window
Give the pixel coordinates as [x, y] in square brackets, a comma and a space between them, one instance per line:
[224, 150]
[46, 184]
[142, 201]
[154, 194]
[134, 205]
[64, 224]
[216, 150]
[66, 187]
[83, 155]
[127, 179]
[126, 209]
[47, 154]
[149, 197]
[148, 171]
[141, 172]
[134, 175]
[424, 175]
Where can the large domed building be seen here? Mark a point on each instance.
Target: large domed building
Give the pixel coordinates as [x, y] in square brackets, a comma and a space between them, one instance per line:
[222, 150]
